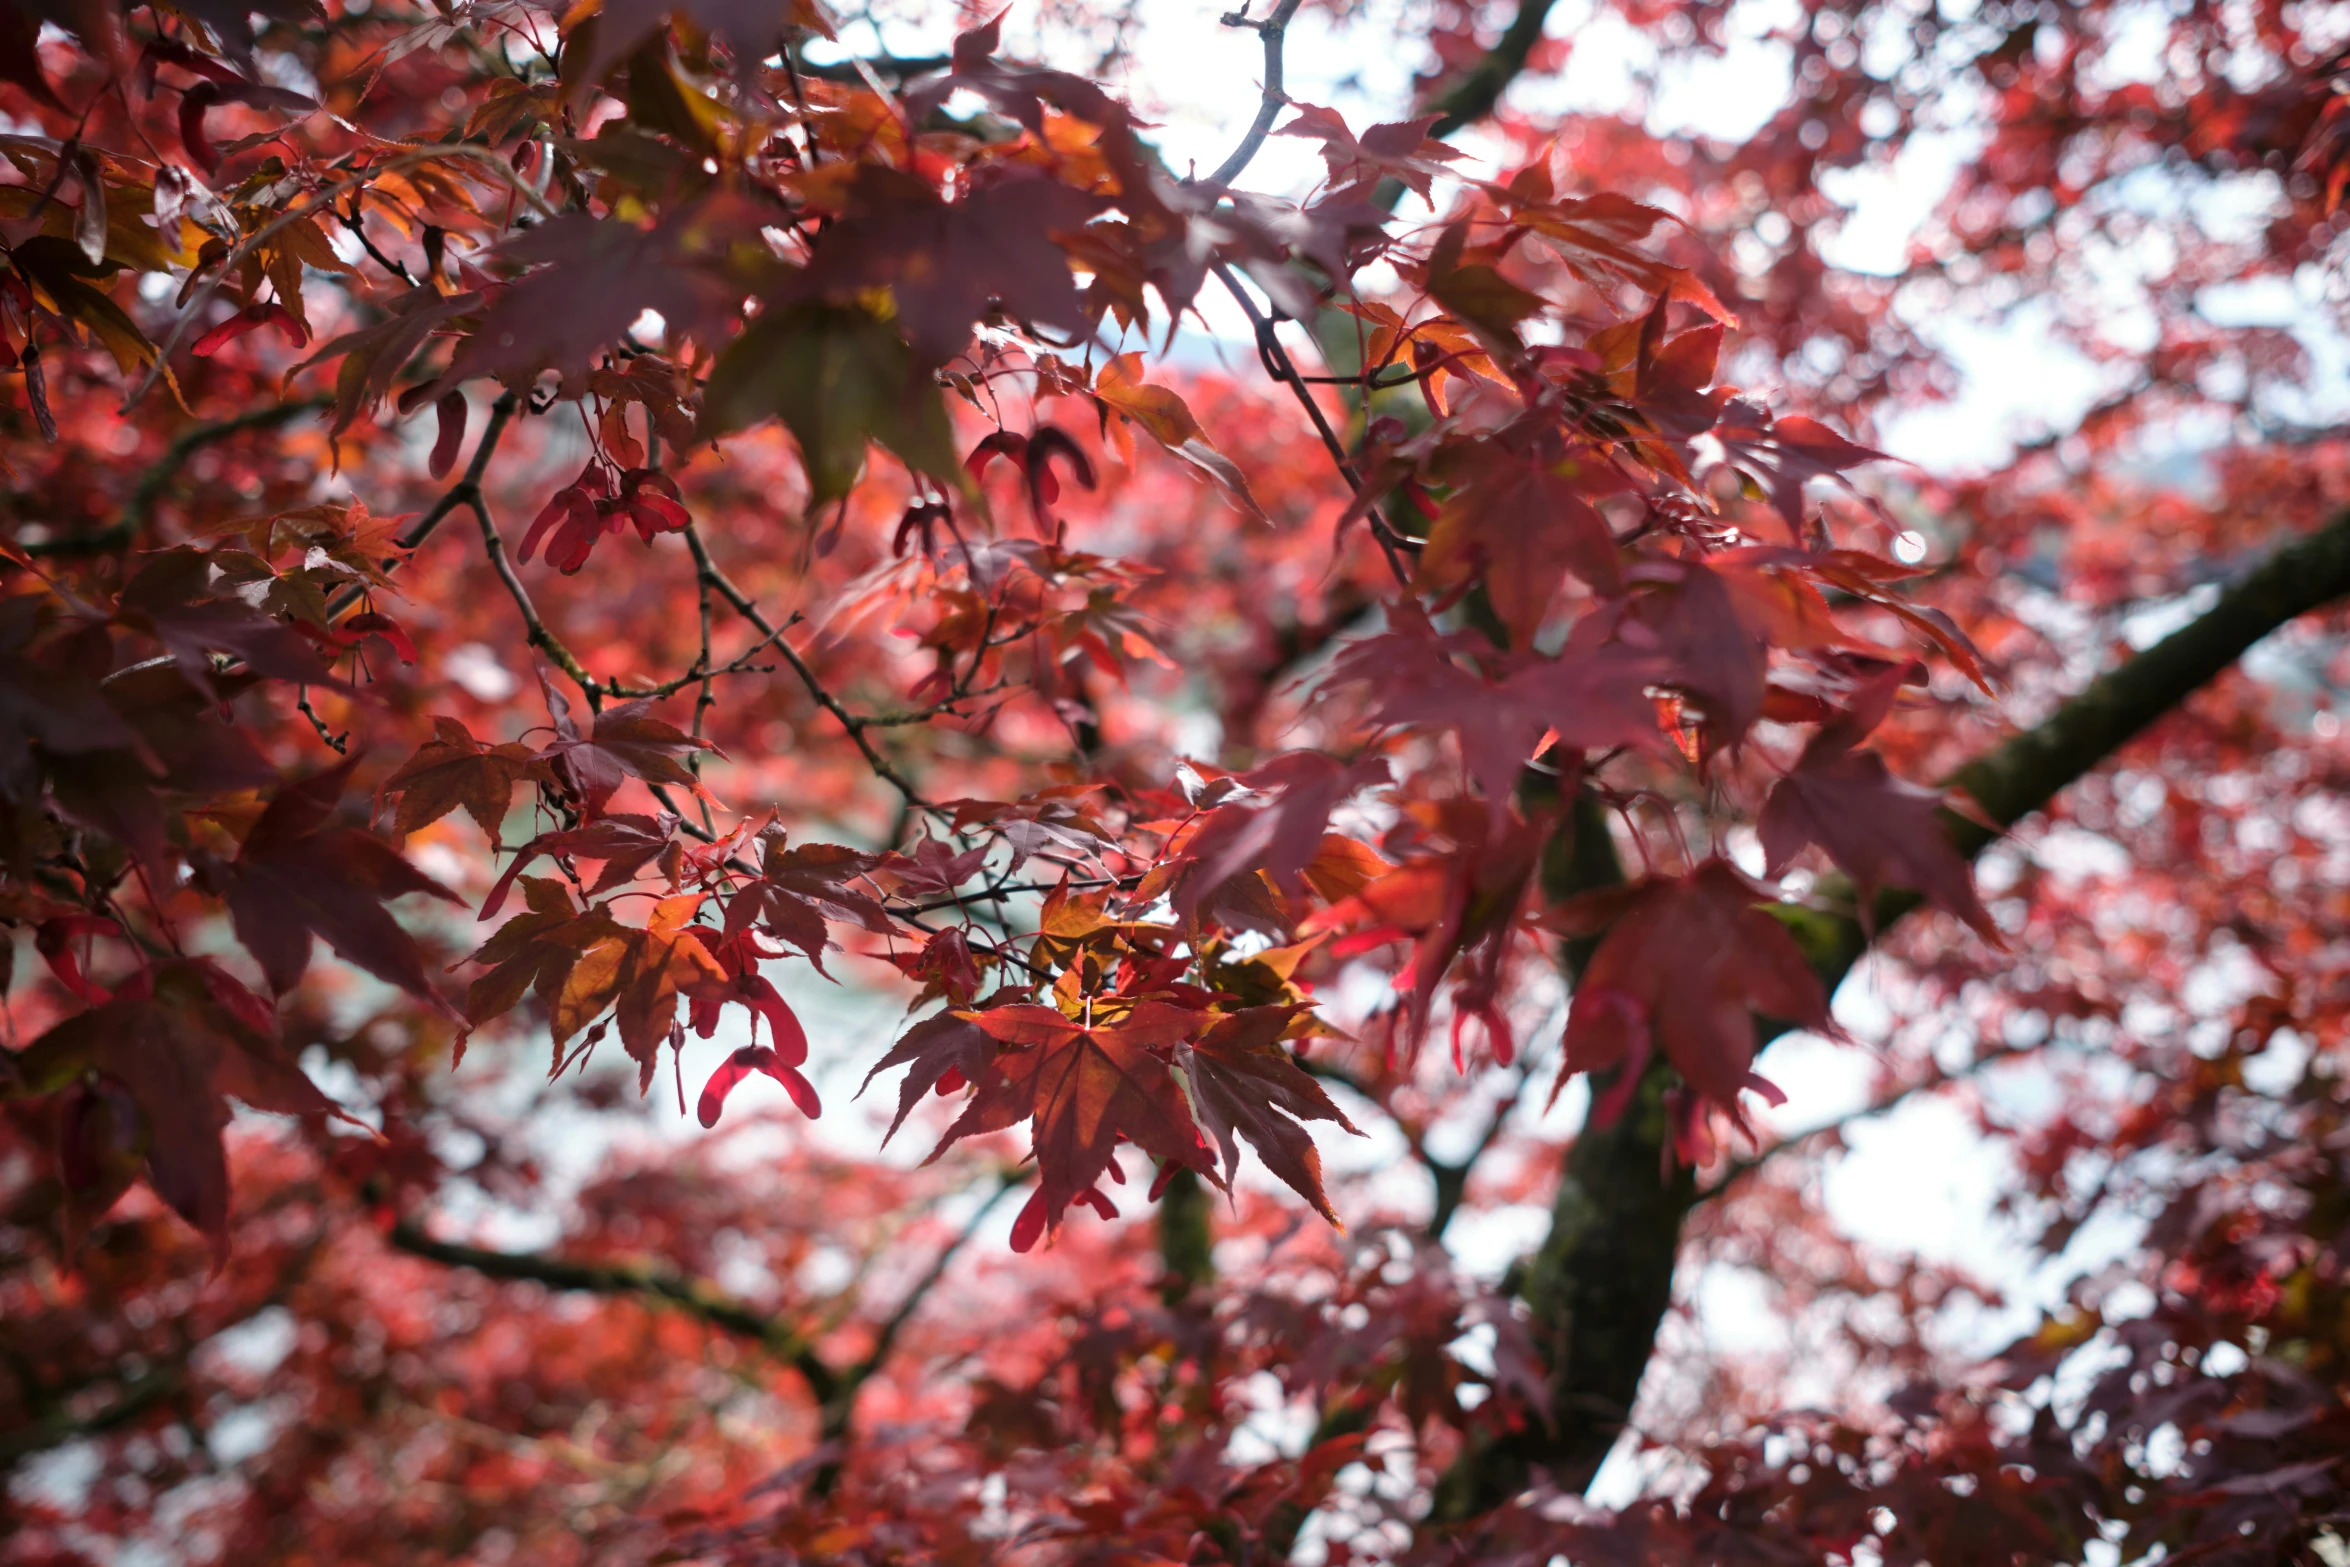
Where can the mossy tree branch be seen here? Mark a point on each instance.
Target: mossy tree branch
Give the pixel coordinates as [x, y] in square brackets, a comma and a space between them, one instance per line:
[1599, 1285]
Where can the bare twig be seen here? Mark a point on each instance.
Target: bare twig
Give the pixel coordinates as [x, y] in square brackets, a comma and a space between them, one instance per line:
[1272, 30]
[850, 723]
[534, 629]
[1280, 367]
[1014, 889]
[466, 490]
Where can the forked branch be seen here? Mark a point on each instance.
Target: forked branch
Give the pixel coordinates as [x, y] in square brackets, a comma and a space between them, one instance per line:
[1273, 29]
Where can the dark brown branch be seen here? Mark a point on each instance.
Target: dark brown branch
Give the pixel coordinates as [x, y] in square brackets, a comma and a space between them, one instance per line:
[1474, 95]
[464, 492]
[692, 1296]
[902, 68]
[56, 1429]
[1186, 1225]
[850, 723]
[1279, 366]
[159, 476]
[534, 629]
[1600, 1283]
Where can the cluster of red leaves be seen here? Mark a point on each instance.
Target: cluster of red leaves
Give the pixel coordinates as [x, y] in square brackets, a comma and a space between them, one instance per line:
[1601, 573]
[1588, 481]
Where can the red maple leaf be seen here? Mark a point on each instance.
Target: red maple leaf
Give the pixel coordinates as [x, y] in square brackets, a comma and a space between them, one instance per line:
[625, 742]
[1402, 150]
[1879, 829]
[454, 769]
[1715, 656]
[1593, 696]
[940, 1053]
[946, 263]
[1783, 455]
[624, 844]
[1083, 1089]
[800, 890]
[297, 875]
[1021, 92]
[1241, 1080]
[1520, 524]
[157, 1064]
[593, 277]
[1685, 965]
[1276, 826]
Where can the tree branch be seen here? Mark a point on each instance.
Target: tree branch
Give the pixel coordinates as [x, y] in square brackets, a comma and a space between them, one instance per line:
[1272, 30]
[1282, 369]
[534, 629]
[166, 468]
[692, 1296]
[901, 68]
[1600, 1283]
[138, 1395]
[854, 726]
[464, 492]
[1474, 95]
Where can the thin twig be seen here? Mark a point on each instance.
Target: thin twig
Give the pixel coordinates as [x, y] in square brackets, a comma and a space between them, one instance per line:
[534, 629]
[1281, 368]
[356, 222]
[1014, 889]
[707, 697]
[850, 723]
[465, 491]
